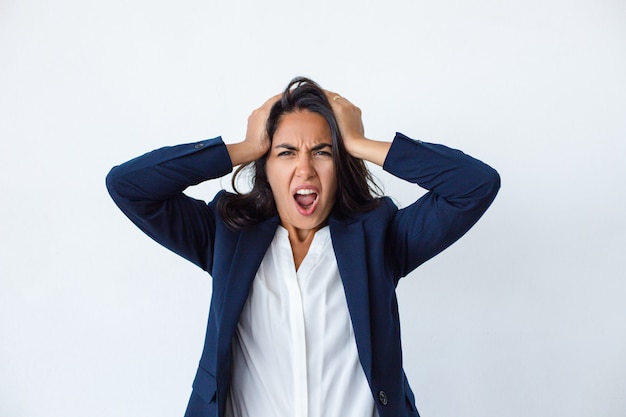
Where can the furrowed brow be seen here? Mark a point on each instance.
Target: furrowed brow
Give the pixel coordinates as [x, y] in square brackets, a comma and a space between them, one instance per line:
[321, 146]
[286, 146]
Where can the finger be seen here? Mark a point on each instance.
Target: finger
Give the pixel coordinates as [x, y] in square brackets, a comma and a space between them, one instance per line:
[263, 111]
[330, 94]
[332, 97]
[270, 102]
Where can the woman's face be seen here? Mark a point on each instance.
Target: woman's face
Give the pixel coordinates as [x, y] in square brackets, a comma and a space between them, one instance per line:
[301, 172]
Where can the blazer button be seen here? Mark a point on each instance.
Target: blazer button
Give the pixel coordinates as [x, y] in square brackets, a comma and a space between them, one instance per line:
[382, 397]
[199, 145]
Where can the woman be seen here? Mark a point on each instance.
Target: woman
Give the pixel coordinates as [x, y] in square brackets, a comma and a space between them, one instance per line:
[303, 318]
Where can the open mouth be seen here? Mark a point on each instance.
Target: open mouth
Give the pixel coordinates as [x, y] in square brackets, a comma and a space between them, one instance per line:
[306, 200]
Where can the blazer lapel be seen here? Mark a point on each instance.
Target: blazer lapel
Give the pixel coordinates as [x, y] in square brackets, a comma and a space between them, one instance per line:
[349, 245]
[250, 250]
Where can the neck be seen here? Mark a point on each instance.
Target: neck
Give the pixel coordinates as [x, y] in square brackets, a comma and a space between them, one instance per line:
[300, 240]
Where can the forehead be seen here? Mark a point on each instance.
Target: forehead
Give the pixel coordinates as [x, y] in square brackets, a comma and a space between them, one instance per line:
[302, 126]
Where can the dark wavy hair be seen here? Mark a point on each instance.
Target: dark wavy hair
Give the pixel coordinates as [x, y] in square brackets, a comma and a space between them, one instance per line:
[356, 189]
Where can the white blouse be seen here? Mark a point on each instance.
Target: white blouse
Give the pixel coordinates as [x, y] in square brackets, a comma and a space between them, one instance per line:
[294, 352]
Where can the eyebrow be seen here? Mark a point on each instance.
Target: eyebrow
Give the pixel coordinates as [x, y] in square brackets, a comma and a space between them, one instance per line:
[293, 148]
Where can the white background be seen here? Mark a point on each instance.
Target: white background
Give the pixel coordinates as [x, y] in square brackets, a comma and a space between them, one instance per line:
[525, 316]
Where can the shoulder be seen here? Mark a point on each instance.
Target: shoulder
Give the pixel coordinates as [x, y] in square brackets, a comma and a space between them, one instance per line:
[384, 210]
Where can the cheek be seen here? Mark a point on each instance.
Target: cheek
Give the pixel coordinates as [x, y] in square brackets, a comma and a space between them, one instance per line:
[276, 181]
[330, 181]
[270, 172]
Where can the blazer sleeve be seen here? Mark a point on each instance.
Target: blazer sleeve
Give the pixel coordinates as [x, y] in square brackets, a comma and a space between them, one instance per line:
[461, 188]
[149, 191]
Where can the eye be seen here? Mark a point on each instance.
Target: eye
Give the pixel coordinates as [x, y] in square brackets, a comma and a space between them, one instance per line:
[285, 153]
[322, 153]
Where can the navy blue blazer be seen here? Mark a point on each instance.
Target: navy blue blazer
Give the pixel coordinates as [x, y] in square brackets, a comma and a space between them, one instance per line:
[373, 250]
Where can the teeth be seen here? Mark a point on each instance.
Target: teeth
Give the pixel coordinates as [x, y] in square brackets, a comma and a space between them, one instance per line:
[305, 191]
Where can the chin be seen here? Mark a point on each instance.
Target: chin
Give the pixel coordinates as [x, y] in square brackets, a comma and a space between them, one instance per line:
[310, 225]
[300, 223]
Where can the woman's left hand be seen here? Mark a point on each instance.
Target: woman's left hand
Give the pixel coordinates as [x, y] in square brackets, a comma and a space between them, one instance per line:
[351, 127]
[348, 118]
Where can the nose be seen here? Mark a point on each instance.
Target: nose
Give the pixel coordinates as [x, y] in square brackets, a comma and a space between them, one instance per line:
[305, 168]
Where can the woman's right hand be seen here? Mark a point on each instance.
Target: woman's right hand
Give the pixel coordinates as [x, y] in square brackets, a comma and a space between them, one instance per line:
[256, 142]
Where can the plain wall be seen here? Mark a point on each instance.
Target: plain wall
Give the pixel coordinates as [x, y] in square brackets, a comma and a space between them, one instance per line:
[524, 316]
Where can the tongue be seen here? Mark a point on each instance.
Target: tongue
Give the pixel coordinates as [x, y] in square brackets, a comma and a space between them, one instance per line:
[305, 200]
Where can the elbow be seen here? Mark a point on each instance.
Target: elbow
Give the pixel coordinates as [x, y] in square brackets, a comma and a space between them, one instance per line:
[112, 183]
[494, 182]
[486, 185]
[490, 187]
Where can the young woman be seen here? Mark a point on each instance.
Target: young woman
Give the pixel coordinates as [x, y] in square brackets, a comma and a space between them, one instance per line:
[304, 318]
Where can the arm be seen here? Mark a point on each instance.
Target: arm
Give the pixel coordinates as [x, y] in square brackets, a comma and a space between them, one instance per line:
[461, 188]
[149, 189]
